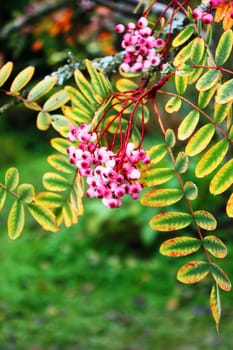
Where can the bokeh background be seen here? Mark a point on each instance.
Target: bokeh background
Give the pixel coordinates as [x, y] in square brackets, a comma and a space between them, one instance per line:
[101, 285]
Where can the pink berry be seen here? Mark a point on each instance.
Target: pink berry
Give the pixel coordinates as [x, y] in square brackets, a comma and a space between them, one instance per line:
[207, 18]
[142, 22]
[119, 28]
[197, 13]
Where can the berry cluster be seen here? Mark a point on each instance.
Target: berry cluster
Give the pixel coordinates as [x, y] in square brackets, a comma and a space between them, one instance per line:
[141, 47]
[109, 176]
[205, 16]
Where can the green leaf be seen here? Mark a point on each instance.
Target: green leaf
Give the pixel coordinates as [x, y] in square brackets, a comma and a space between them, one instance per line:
[229, 206]
[49, 199]
[215, 304]
[69, 215]
[16, 220]
[76, 114]
[190, 190]
[60, 144]
[188, 125]
[170, 221]
[55, 182]
[223, 179]
[224, 47]
[158, 176]
[79, 101]
[212, 158]
[61, 124]
[200, 140]
[183, 36]
[198, 50]
[42, 88]
[182, 163]
[204, 97]
[5, 72]
[61, 163]
[181, 83]
[205, 220]
[225, 92]
[44, 217]
[173, 104]
[182, 57]
[193, 272]
[55, 101]
[180, 246]
[26, 193]
[162, 197]
[157, 153]
[215, 246]
[43, 121]
[22, 79]
[208, 80]
[12, 178]
[220, 277]
[170, 137]
[221, 111]
[124, 84]
[98, 87]
[2, 197]
[85, 88]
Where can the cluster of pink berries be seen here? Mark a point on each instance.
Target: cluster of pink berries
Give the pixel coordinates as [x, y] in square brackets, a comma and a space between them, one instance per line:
[141, 47]
[109, 176]
[203, 12]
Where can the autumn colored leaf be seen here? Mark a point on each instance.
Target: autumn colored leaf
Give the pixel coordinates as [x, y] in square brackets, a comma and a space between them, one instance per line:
[170, 221]
[193, 272]
[215, 246]
[180, 246]
[215, 304]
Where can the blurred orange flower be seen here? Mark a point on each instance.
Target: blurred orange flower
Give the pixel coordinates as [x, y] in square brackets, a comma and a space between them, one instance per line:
[224, 13]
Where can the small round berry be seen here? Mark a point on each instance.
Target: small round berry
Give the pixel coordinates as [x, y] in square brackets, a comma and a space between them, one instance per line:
[207, 18]
[119, 28]
[142, 22]
[197, 13]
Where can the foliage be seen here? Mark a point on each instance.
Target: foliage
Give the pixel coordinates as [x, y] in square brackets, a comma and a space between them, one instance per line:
[156, 64]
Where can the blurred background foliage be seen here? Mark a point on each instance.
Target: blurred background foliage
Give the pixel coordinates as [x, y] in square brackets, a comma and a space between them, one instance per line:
[101, 284]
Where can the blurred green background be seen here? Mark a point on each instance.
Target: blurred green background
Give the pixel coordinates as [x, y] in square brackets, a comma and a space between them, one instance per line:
[101, 285]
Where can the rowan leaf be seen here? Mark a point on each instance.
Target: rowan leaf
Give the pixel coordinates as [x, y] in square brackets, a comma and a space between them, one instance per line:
[198, 50]
[193, 272]
[22, 79]
[44, 217]
[205, 220]
[79, 101]
[204, 97]
[157, 153]
[5, 72]
[221, 111]
[173, 104]
[16, 219]
[223, 179]
[60, 144]
[76, 114]
[215, 246]
[180, 246]
[225, 92]
[55, 101]
[224, 47]
[55, 182]
[208, 80]
[161, 197]
[215, 304]
[85, 88]
[157, 176]
[2, 197]
[43, 120]
[26, 193]
[170, 221]
[124, 84]
[188, 125]
[200, 140]
[220, 277]
[12, 178]
[182, 163]
[60, 123]
[190, 190]
[49, 199]
[183, 36]
[229, 207]
[181, 83]
[212, 158]
[42, 88]
[182, 57]
[61, 163]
